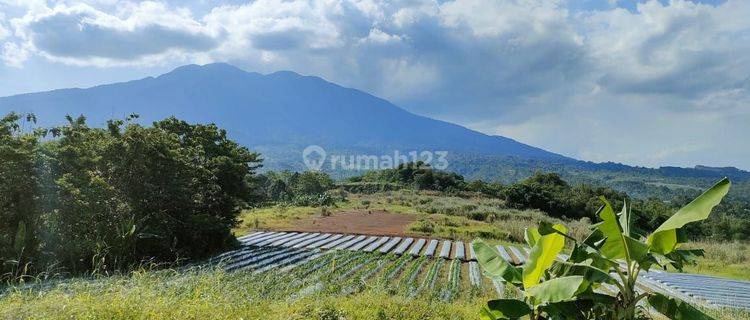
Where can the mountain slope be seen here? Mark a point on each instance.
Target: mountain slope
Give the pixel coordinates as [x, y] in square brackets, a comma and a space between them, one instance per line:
[280, 114]
[282, 108]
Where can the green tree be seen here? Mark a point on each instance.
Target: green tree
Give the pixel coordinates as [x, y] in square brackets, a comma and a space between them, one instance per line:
[129, 193]
[19, 191]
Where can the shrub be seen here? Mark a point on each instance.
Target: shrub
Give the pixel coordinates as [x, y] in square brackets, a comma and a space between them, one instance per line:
[291, 186]
[479, 215]
[313, 200]
[613, 254]
[424, 226]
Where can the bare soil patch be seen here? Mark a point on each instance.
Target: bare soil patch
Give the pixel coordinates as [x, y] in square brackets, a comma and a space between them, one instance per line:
[379, 223]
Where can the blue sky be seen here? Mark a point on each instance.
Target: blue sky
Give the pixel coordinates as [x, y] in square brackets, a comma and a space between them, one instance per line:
[640, 82]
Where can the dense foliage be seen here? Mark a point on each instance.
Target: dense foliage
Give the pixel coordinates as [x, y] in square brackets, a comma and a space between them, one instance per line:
[105, 199]
[417, 175]
[307, 188]
[19, 186]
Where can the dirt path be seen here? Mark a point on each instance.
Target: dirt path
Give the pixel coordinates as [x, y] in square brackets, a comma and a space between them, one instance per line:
[374, 223]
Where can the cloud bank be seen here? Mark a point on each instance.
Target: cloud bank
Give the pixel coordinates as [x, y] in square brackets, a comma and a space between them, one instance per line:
[655, 83]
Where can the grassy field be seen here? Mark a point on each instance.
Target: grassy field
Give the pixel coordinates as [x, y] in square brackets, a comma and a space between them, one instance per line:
[725, 259]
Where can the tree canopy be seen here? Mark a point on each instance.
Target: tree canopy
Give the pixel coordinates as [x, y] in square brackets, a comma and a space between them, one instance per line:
[109, 198]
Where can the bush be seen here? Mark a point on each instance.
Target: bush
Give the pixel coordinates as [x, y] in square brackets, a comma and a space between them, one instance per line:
[313, 200]
[417, 175]
[424, 226]
[294, 187]
[479, 215]
[370, 187]
[20, 211]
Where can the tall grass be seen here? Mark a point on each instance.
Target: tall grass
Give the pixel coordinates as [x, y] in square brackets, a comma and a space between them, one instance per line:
[727, 259]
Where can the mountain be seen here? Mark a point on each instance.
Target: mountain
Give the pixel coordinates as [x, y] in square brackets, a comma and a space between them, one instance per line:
[280, 114]
[282, 108]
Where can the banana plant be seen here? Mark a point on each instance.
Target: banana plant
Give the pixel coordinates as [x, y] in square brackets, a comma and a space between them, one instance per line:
[612, 256]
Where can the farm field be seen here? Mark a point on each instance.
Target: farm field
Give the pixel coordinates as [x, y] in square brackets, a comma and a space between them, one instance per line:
[274, 279]
[458, 218]
[262, 251]
[287, 283]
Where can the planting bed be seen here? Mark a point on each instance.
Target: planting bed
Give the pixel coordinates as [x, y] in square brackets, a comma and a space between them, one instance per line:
[414, 266]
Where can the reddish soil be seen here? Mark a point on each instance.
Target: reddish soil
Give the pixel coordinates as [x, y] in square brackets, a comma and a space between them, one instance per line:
[379, 223]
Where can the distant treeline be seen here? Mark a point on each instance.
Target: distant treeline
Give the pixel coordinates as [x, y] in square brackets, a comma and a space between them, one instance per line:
[78, 199]
[664, 183]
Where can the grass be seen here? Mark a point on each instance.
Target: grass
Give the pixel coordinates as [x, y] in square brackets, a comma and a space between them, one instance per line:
[215, 294]
[275, 217]
[724, 259]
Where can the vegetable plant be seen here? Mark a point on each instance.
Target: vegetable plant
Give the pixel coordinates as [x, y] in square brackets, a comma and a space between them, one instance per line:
[614, 254]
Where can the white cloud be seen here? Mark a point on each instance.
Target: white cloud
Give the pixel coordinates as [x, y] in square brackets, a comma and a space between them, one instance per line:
[13, 55]
[683, 48]
[4, 32]
[605, 84]
[136, 33]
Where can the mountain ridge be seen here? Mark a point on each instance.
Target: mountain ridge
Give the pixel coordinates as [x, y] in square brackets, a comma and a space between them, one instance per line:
[210, 93]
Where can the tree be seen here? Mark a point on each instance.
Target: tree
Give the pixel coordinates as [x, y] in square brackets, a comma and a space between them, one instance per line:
[129, 193]
[19, 191]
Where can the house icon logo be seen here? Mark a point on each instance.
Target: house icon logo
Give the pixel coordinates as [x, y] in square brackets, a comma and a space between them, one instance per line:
[314, 157]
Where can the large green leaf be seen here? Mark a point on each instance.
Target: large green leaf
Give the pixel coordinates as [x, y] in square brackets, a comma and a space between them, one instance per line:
[556, 290]
[664, 239]
[578, 308]
[567, 309]
[587, 252]
[678, 258]
[504, 309]
[542, 255]
[531, 235]
[617, 245]
[590, 256]
[675, 309]
[590, 273]
[493, 265]
[625, 219]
